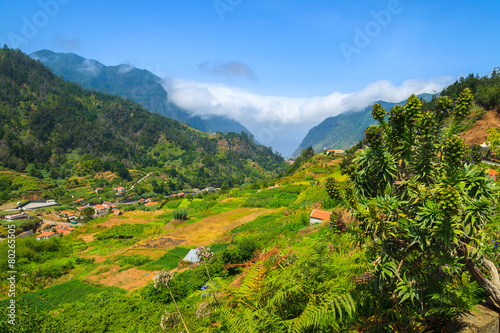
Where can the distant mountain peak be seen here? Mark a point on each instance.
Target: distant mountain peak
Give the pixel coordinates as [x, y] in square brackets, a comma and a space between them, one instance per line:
[344, 130]
[139, 85]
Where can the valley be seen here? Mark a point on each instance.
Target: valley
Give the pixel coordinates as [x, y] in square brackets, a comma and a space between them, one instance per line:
[141, 223]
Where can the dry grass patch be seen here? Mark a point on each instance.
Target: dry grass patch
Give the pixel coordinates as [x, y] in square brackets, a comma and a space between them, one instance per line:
[134, 217]
[152, 253]
[87, 238]
[162, 242]
[129, 279]
[207, 230]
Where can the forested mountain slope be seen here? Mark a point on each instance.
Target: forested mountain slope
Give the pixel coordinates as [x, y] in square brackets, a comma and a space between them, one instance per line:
[139, 85]
[61, 129]
[344, 130]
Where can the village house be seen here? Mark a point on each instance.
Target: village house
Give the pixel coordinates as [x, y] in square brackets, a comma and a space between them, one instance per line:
[62, 232]
[151, 204]
[119, 190]
[318, 216]
[101, 210]
[36, 204]
[492, 173]
[335, 151]
[19, 216]
[117, 212]
[81, 208]
[79, 201]
[46, 235]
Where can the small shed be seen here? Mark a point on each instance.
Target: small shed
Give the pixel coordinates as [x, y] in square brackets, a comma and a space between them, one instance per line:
[191, 256]
[318, 216]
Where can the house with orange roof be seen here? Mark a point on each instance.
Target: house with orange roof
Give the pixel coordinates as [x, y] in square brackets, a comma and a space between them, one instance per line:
[119, 190]
[81, 208]
[100, 209]
[492, 173]
[62, 232]
[318, 216]
[117, 212]
[151, 204]
[46, 235]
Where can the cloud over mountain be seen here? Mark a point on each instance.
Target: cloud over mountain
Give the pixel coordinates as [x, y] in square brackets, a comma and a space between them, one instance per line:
[244, 106]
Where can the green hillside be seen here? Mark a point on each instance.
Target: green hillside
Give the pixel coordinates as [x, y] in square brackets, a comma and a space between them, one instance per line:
[54, 129]
[343, 131]
[139, 85]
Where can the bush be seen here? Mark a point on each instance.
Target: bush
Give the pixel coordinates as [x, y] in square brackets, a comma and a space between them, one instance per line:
[129, 208]
[180, 214]
[240, 253]
[173, 204]
[122, 231]
[134, 260]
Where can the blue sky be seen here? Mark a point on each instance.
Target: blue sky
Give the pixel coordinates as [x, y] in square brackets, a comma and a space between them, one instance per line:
[278, 67]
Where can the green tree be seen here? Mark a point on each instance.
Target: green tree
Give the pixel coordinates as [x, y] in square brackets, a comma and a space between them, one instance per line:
[87, 214]
[422, 208]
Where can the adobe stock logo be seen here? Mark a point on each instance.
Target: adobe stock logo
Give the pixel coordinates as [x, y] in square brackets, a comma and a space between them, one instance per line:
[30, 28]
[222, 6]
[363, 37]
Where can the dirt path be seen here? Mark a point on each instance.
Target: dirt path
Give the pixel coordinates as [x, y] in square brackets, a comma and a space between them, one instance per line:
[477, 134]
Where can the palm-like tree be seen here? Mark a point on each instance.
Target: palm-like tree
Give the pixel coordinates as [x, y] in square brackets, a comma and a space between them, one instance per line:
[421, 205]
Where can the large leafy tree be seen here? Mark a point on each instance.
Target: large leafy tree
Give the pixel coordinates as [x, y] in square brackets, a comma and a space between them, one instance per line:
[422, 204]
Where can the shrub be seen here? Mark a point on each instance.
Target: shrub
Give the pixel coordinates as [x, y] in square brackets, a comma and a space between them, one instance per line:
[134, 260]
[180, 214]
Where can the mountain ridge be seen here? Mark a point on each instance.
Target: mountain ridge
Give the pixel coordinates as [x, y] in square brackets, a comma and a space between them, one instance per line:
[139, 85]
[344, 130]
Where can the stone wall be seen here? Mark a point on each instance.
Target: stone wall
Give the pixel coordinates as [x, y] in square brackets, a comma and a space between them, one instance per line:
[26, 234]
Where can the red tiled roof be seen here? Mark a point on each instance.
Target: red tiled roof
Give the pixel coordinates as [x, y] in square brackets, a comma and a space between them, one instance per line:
[99, 207]
[151, 203]
[320, 214]
[492, 172]
[81, 208]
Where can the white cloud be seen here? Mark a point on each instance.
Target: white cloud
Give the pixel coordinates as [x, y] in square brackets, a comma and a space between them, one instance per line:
[123, 69]
[207, 98]
[90, 66]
